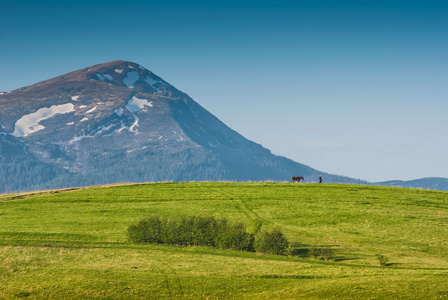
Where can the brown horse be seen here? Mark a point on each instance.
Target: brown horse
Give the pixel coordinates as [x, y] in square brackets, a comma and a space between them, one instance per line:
[297, 179]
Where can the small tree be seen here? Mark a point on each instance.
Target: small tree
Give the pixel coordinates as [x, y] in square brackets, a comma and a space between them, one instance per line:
[382, 259]
[272, 242]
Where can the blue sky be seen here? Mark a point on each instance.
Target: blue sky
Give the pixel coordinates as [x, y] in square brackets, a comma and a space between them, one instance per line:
[356, 88]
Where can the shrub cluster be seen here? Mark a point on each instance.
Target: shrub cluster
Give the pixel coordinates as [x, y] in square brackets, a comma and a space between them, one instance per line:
[205, 231]
[272, 242]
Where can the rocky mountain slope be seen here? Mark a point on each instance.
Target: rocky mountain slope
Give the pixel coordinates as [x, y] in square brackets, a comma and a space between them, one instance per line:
[119, 122]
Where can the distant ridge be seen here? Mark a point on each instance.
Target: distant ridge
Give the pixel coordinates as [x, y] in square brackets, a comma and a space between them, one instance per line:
[430, 183]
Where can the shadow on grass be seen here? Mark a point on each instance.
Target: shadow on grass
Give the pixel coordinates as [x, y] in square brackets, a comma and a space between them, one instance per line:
[393, 265]
[318, 252]
[299, 252]
[23, 295]
[342, 259]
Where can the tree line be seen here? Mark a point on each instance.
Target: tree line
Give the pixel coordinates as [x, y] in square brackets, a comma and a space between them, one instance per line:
[189, 230]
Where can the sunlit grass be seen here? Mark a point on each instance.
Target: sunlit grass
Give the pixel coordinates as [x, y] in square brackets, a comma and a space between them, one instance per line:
[72, 244]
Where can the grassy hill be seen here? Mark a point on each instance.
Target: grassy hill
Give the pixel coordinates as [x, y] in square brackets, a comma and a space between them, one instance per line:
[72, 244]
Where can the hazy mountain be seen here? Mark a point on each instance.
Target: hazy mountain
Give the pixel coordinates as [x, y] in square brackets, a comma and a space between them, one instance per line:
[430, 183]
[119, 122]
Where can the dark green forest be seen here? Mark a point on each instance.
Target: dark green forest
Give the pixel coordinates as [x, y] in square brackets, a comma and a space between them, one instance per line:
[21, 171]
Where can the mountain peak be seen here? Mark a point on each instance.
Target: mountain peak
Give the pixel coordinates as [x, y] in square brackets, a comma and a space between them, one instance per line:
[112, 82]
[118, 73]
[119, 122]
[126, 74]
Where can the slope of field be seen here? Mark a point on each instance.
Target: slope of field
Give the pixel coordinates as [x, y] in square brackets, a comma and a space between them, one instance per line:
[71, 244]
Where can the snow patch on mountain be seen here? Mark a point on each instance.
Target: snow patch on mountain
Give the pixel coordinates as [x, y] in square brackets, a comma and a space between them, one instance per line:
[75, 98]
[108, 77]
[98, 131]
[131, 78]
[77, 139]
[119, 71]
[30, 123]
[136, 149]
[135, 105]
[104, 77]
[100, 77]
[91, 110]
[131, 129]
[151, 82]
[119, 111]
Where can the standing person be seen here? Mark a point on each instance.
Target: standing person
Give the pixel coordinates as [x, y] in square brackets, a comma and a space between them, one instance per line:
[320, 178]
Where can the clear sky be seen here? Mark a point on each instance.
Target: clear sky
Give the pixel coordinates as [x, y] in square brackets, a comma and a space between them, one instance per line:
[355, 88]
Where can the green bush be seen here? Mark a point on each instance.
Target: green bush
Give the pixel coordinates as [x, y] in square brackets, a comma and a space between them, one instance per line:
[192, 231]
[204, 229]
[187, 230]
[237, 238]
[148, 230]
[272, 242]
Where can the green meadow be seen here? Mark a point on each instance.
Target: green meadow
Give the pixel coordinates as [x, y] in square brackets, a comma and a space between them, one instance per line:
[72, 244]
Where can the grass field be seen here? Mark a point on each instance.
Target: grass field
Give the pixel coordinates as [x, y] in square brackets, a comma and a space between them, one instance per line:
[72, 244]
